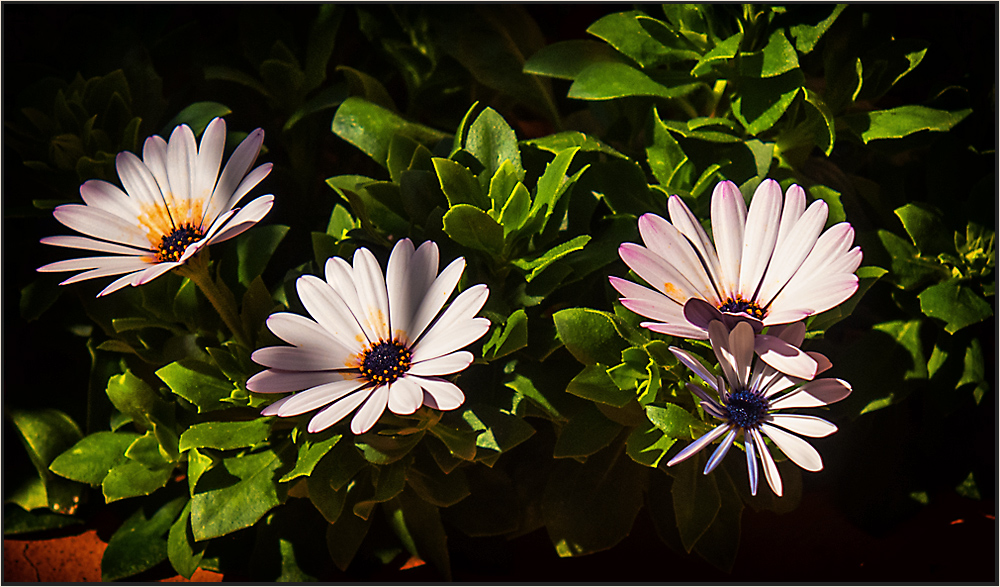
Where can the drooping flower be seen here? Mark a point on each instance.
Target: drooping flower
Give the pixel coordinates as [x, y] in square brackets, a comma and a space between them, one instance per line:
[175, 203]
[769, 265]
[749, 403]
[373, 342]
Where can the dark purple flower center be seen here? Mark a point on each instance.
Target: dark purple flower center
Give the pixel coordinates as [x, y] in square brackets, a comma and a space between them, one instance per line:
[385, 362]
[746, 408]
[172, 245]
[739, 305]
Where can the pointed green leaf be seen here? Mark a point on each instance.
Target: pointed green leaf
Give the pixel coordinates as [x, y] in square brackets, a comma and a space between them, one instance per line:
[696, 500]
[566, 59]
[609, 80]
[138, 545]
[226, 435]
[459, 184]
[594, 383]
[492, 141]
[370, 128]
[197, 382]
[181, 547]
[132, 479]
[897, 123]
[471, 227]
[954, 303]
[587, 432]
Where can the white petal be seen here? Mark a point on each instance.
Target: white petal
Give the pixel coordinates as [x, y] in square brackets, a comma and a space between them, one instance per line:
[247, 216]
[138, 181]
[437, 294]
[678, 330]
[151, 273]
[439, 394]
[303, 332]
[422, 270]
[463, 309]
[805, 425]
[770, 468]
[117, 285]
[699, 444]
[784, 357]
[445, 340]
[101, 224]
[792, 251]
[752, 472]
[685, 222]
[123, 264]
[664, 240]
[795, 205]
[336, 412]
[89, 244]
[101, 272]
[741, 345]
[658, 272]
[371, 411]
[694, 363]
[309, 400]
[397, 282]
[154, 157]
[182, 154]
[233, 173]
[330, 311]
[340, 277]
[249, 182]
[728, 222]
[209, 159]
[799, 451]
[273, 408]
[647, 302]
[278, 381]
[814, 394]
[445, 365]
[291, 358]
[101, 194]
[721, 451]
[760, 235]
[405, 396]
[719, 337]
[372, 293]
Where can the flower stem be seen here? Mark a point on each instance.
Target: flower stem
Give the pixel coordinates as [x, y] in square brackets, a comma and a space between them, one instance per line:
[222, 299]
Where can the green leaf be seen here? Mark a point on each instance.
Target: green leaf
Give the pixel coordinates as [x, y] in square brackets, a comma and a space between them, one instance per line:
[587, 432]
[327, 498]
[492, 141]
[309, 455]
[973, 370]
[553, 183]
[806, 36]
[665, 156]
[907, 335]
[777, 57]
[900, 122]
[367, 87]
[560, 141]
[820, 121]
[459, 184]
[436, 487]
[343, 538]
[515, 211]
[648, 445]
[254, 250]
[17, 521]
[181, 547]
[471, 227]
[46, 434]
[197, 382]
[132, 479]
[593, 336]
[527, 388]
[954, 303]
[762, 102]
[132, 396]
[624, 32]
[719, 55]
[237, 494]
[226, 435]
[138, 545]
[499, 431]
[370, 128]
[460, 443]
[718, 135]
[909, 270]
[591, 507]
[197, 116]
[418, 524]
[696, 500]
[566, 59]
[594, 383]
[511, 337]
[609, 80]
[146, 451]
[537, 264]
[673, 420]
[925, 226]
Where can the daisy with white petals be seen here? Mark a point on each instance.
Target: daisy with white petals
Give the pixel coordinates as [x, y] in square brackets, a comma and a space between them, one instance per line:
[373, 342]
[749, 403]
[769, 265]
[174, 204]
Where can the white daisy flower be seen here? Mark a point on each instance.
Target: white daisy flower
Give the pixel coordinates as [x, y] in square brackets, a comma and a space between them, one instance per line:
[373, 342]
[769, 265]
[749, 403]
[174, 204]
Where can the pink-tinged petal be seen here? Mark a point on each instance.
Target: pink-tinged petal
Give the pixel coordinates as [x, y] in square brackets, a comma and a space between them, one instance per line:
[138, 181]
[245, 218]
[664, 240]
[700, 313]
[182, 152]
[272, 409]
[721, 451]
[337, 411]
[694, 363]
[741, 345]
[657, 272]
[279, 381]
[151, 273]
[439, 394]
[121, 264]
[236, 168]
[810, 426]
[402, 299]
[116, 285]
[445, 365]
[678, 330]
[321, 395]
[714, 410]
[792, 251]
[372, 293]
[795, 205]
[405, 396]
[728, 222]
[101, 194]
[752, 472]
[462, 309]
[828, 257]
[760, 234]
[422, 269]
[292, 358]
[299, 330]
[783, 316]
[209, 160]
[89, 244]
[685, 222]
[216, 226]
[437, 294]
[249, 182]
[440, 342]
[154, 157]
[770, 468]
[817, 296]
[101, 224]
[814, 394]
[330, 311]
[371, 411]
[785, 357]
[793, 333]
[340, 277]
[101, 272]
[702, 394]
[799, 451]
[772, 381]
[699, 444]
[718, 335]
[649, 303]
